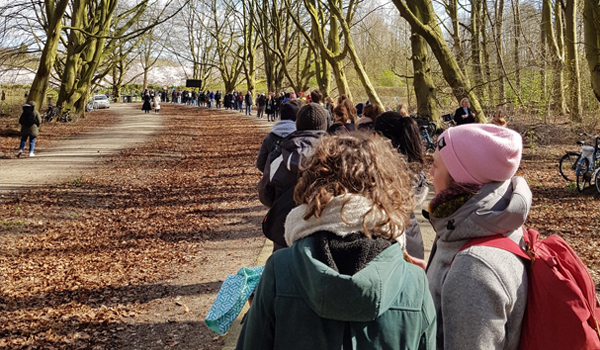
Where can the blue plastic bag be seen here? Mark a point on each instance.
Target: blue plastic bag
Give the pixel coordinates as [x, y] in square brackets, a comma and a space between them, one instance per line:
[234, 292]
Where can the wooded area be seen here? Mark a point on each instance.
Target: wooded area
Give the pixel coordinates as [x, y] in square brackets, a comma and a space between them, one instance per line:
[538, 57]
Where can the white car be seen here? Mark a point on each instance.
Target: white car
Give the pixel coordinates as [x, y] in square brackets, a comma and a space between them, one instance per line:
[101, 101]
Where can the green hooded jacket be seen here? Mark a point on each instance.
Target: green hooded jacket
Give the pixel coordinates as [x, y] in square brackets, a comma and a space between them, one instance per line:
[301, 303]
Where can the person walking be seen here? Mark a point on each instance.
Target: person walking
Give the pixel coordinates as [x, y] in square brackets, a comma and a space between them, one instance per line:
[248, 102]
[261, 102]
[270, 107]
[156, 104]
[30, 121]
[344, 282]
[146, 107]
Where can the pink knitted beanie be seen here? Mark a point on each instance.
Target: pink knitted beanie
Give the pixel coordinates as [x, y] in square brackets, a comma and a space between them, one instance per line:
[480, 153]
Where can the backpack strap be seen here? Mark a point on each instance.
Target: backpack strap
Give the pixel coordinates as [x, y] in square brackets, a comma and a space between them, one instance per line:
[497, 241]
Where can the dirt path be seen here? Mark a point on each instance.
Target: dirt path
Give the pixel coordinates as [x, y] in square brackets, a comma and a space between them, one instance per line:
[132, 256]
[76, 156]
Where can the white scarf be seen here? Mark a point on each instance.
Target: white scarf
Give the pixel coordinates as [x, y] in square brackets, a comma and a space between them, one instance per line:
[355, 209]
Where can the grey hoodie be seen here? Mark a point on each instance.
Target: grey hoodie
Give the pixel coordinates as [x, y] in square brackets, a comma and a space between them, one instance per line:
[480, 297]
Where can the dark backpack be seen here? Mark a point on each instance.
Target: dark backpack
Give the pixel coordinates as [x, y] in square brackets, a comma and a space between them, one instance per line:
[562, 309]
[27, 118]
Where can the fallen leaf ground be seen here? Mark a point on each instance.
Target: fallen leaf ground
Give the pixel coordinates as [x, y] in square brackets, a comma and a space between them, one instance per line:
[84, 265]
[81, 261]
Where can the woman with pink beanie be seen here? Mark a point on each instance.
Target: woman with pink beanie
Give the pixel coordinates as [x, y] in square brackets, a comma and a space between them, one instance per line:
[479, 293]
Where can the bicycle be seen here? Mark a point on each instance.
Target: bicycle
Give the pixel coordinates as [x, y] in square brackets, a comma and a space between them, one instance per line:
[51, 113]
[568, 163]
[55, 113]
[427, 131]
[588, 166]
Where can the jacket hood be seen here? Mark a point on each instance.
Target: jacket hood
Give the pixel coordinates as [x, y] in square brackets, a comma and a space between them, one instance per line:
[359, 298]
[298, 145]
[284, 127]
[498, 208]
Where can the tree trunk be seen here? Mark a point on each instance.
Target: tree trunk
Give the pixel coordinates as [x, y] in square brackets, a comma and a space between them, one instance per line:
[477, 68]
[500, 49]
[74, 47]
[556, 48]
[432, 33]
[54, 16]
[486, 55]
[423, 80]
[573, 62]
[517, 35]
[591, 22]
[452, 10]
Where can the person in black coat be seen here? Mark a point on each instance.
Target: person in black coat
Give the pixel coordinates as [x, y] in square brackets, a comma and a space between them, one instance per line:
[463, 114]
[146, 107]
[406, 138]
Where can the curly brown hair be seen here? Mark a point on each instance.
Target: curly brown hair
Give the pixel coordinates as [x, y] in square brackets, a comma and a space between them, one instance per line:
[362, 164]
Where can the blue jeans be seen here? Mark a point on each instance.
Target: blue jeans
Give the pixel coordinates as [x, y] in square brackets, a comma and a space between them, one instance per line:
[31, 143]
[248, 109]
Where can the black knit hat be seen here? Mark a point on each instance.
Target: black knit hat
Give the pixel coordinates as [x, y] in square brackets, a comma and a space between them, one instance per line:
[289, 110]
[311, 117]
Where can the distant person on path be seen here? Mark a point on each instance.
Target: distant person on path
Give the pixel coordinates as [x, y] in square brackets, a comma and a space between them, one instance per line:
[218, 97]
[463, 114]
[30, 121]
[276, 188]
[146, 107]
[280, 131]
[270, 107]
[156, 103]
[480, 293]
[248, 101]
[344, 283]
[261, 102]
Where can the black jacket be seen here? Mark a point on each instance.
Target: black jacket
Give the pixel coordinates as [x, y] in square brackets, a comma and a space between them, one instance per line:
[460, 117]
[276, 188]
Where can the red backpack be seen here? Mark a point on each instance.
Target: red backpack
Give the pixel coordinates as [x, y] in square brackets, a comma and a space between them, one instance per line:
[562, 309]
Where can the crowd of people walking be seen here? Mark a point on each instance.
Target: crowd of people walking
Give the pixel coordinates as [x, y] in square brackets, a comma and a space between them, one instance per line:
[347, 271]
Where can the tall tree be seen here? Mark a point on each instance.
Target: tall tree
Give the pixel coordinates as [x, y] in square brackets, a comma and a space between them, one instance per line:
[499, 29]
[345, 20]
[553, 29]
[575, 104]
[53, 14]
[432, 33]
[591, 22]
[423, 79]
[516, 38]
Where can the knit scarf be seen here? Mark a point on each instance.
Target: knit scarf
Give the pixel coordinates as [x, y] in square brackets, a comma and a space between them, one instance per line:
[333, 220]
[451, 199]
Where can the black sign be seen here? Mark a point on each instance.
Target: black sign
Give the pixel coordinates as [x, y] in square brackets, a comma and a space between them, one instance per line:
[193, 83]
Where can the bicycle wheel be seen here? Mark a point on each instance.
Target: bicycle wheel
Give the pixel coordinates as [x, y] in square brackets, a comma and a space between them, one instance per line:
[568, 164]
[597, 180]
[583, 175]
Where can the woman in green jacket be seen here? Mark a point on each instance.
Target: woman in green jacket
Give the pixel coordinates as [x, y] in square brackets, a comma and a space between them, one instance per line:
[344, 282]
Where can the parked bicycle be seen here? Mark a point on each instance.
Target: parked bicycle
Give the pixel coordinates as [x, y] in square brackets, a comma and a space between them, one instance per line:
[428, 130]
[584, 166]
[54, 113]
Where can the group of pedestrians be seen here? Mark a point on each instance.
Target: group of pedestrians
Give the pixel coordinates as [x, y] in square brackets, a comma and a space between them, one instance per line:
[341, 189]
